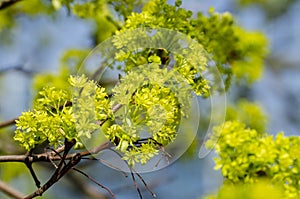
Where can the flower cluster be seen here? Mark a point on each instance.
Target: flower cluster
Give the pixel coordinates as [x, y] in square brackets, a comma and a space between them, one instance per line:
[61, 114]
[245, 156]
[234, 50]
[153, 101]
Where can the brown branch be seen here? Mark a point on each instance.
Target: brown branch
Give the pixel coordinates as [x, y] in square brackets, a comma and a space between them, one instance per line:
[13, 158]
[89, 190]
[145, 184]
[135, 184]
[6, 3]
[61, 169]
[59, 173]
[132, 171]
[29, 166]
[10, 191]
[8, 123]
[46, 157]
[95, 181]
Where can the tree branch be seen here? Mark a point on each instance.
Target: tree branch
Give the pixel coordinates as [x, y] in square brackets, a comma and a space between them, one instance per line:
[8, 123]
[13, 158]
[59, 173]
[89, 190]
[135, 184]
[95, 181]
[29, 166]
[61, 169]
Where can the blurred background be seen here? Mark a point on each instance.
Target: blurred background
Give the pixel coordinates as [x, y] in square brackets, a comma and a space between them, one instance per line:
[37, 43]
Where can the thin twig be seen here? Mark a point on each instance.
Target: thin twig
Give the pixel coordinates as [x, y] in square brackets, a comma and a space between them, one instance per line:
[29, 166]
[45, 157]
[58, 150]
[145, 184]
[95, 181]
[89, 190]
[56, 153]
[135, 184]
[132, 170]
[61, 170]
[165, 155]
[132, 175]
[8, 123]
[54, 178]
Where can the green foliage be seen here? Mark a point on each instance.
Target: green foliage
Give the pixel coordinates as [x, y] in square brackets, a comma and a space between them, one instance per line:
[98, 12]
[190, 61]
[259, 190]
[53, 119]
[126, 7]
[251, 51]
[245, 156]
[248, 113]
[235, 51]
[45, 121]
[90, 105]
[154, 94]
[153, 100]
